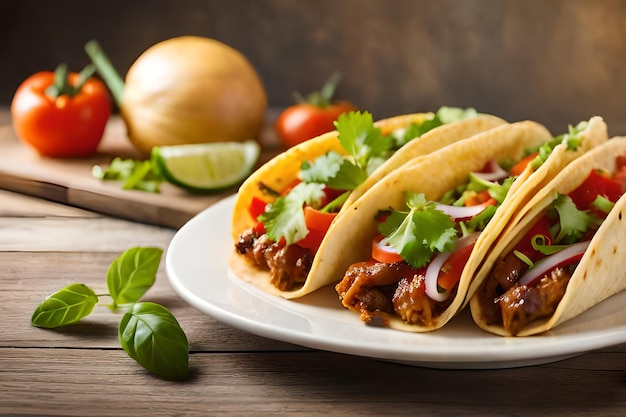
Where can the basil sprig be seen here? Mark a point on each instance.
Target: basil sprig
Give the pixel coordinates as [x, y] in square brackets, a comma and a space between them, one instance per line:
[148, 332]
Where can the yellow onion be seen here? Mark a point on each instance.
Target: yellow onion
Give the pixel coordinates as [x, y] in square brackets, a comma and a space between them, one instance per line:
[192, 89]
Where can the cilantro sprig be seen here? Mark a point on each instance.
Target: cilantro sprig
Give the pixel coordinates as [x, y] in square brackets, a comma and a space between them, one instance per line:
[420, 232]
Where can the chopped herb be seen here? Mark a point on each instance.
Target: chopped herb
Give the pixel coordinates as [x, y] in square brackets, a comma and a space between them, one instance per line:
[134, 174]
[285, 217]
[420, 232]
[573, 223]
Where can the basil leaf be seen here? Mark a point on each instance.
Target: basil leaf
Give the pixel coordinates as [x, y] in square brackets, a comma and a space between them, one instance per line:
[132, 274]
[151, 335]
[66, 306]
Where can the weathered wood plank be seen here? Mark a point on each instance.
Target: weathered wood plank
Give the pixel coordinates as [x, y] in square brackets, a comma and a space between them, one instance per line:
[104, 383]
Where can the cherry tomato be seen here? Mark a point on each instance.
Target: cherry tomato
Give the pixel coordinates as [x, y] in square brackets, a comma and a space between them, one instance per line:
[312, 116]
[66, 123]
[305, 121]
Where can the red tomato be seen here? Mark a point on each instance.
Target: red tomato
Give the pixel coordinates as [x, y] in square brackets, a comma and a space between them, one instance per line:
[453, 268]
[482, 197]
[521, 165]
[312, 240]
[305, 121]
[257, 207]
[384, 254]
[596, 184]
[316, 219]
[318, 223]
[63, 127]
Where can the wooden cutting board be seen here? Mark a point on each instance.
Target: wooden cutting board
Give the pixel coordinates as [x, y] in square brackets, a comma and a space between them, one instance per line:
[70, 181]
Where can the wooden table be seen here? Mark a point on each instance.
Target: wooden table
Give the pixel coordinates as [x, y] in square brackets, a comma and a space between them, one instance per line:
[81, 370]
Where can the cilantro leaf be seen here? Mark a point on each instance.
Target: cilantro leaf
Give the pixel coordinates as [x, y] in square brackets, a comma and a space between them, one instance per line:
[348, 177]
[322, 169]
[420, 232]
[573, 223]
[285, 217]
[360, 138]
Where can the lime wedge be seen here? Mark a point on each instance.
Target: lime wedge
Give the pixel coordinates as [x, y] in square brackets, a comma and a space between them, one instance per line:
[206, 166]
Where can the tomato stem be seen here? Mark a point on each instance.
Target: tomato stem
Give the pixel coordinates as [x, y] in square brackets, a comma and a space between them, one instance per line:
[322, 98]
[62, 85]
[106, 70]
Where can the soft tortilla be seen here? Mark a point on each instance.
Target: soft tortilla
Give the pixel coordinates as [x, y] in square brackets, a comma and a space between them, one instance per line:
[600, 273]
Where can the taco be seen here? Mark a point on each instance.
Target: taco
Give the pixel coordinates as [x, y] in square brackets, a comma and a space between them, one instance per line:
[284, 209]
[412, 243]
[562, 253]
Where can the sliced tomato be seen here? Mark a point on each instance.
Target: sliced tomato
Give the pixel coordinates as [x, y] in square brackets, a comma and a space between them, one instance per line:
[453, 267]
[479, 198]
[259, 229]
[596, 184]
[257, 207]
[521, 165]
[384, 253]
[318, 223]
[620, 171]
[312, 240]
[316, 219]
[620, 162]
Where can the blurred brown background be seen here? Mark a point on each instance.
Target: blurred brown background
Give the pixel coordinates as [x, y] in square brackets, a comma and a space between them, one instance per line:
[554, 61]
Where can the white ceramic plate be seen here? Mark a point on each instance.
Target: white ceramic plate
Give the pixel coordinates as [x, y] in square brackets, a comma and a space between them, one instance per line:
[196, 267]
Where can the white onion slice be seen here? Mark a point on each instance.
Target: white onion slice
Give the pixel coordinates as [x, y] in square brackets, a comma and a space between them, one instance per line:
[496, 172]
[461, 212]
[545, 265]
[432, 272]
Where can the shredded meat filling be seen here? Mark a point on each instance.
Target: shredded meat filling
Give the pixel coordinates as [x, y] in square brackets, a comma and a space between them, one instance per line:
[378, 290]
[515, 306]
[521, 305]
[288, 265]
